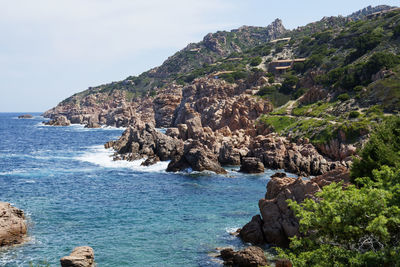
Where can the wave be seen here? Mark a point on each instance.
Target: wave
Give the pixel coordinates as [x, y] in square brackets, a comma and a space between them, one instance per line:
[100, 156]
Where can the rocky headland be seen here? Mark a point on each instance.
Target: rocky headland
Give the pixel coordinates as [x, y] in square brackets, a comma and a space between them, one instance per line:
[13, 227]
[215, 124]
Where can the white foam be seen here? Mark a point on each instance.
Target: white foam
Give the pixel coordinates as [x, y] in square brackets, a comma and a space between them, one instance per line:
[17, 171]
[231, 230]
[100, 156]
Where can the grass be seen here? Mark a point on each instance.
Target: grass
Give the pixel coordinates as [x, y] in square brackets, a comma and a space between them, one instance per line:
[278, 123]
[319, 109]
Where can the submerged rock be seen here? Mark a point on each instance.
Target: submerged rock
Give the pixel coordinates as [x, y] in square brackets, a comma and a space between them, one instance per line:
[13, 227]
[79, 257]
[248, 257]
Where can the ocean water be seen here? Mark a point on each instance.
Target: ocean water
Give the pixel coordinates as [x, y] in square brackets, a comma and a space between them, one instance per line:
[73, 194]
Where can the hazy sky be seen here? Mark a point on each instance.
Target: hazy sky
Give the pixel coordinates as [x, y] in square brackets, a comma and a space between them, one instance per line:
[51, 49]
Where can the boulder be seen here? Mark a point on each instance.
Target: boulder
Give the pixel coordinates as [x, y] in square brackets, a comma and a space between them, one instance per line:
[144, 141]
[248, 257]
[197, 157]
[59, 121]
[251, 165]
[252, 231]
[13, 226]
[79, 257]
[229, 155]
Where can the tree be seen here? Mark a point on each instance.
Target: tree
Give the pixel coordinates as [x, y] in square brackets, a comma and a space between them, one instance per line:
[383, 148]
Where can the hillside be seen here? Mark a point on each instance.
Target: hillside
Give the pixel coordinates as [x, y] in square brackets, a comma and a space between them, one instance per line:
[331, 81]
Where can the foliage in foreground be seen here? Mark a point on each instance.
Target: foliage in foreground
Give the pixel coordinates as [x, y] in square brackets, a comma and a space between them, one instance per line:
[355, 226]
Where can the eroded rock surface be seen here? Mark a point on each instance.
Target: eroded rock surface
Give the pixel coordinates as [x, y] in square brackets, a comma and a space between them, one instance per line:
[79, 257]
[58, 121]
[277, 220]
[13, 226]
[249, 257]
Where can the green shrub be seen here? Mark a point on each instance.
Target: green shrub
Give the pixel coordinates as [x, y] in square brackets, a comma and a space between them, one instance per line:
[355, 226]
[354, 114]
[343, 97]
[383, 148]
[271, 79]
[255, 61]
[289, 84]
[396, 31]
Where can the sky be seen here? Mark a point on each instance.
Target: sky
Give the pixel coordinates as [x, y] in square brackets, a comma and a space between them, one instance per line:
[51, 49]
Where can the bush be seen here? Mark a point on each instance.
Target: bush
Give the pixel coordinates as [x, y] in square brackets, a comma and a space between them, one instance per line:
[358, 88]
[343, 97]
[354, 114]
[271, 79]
[396, 31]
[379, 61]
[255, 61]
[289, 84]
[383, 148]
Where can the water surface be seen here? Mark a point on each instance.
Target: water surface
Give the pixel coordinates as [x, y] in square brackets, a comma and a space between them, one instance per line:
[74, 194]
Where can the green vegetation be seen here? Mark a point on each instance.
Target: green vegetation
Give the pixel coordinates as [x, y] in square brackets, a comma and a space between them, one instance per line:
[355, 226]
[383, 148]
[354, 114]
[278, 123]
[255, 61]
[343, 97]
[273, 94]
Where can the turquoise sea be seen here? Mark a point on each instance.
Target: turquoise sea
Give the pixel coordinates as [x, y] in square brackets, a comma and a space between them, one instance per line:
[73, 194]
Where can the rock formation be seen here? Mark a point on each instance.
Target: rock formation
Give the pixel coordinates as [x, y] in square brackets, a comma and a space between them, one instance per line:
[13, 227]
[58, 121]
[144, 141]
[248, 257]
[277, 222]
[197, 157]
[251, 165]
[25, 116]
[301, 158]
[79, 257]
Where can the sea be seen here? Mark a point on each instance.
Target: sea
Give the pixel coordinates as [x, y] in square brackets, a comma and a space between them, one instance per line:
[74, 194]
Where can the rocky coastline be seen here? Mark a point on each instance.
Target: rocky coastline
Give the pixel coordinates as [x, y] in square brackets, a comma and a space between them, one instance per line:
[210, 123]
[13, 226]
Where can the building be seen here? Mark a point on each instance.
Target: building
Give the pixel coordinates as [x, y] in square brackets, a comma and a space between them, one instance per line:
[280, 66]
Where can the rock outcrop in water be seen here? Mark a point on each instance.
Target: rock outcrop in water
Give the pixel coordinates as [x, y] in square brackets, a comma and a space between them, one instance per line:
[13, 226]
[277, 222]
[58, 121]
[144, 141]
[249, 257]
[79, 257]
[25, 116]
